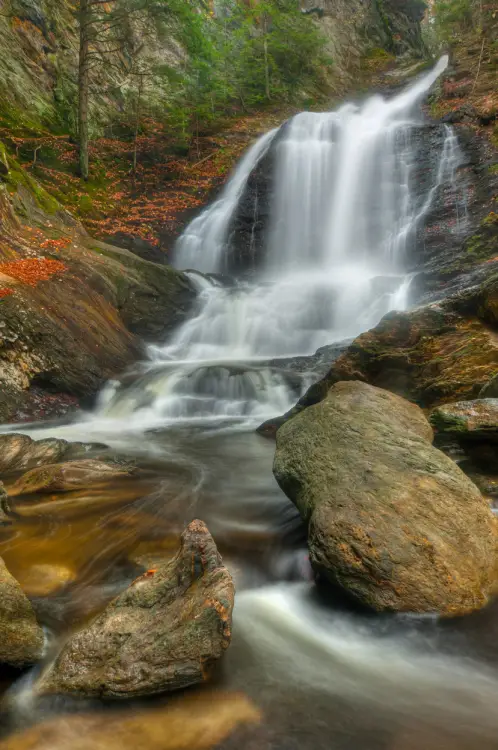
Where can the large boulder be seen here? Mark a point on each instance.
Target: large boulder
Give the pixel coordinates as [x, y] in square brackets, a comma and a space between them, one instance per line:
[21, 638]
[392, 520]
[67, 477]
[163, 633]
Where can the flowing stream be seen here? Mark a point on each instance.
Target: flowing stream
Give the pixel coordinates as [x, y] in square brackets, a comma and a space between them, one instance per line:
[345, 218]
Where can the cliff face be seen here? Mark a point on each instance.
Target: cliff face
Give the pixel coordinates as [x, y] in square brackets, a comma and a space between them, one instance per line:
[358, 29]
[39, 60]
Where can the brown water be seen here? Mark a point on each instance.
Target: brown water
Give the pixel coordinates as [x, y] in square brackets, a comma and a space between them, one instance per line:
[303, 672]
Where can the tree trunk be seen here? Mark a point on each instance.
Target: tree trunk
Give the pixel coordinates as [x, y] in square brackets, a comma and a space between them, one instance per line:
[265, 49]
[267, 70]
[138, 113]
[83, 85]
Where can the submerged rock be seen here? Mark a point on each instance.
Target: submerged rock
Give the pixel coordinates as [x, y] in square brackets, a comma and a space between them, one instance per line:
[163, 633]
[72, 475]
[392, 520]
[45, 579]
[194, 722]
[468, 420]
[21, 638]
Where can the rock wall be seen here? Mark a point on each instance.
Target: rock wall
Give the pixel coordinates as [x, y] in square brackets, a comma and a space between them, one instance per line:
[38, 66]
[356, 27]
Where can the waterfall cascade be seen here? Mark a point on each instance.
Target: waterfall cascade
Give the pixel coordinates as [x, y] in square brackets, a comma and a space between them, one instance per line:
[344, 218]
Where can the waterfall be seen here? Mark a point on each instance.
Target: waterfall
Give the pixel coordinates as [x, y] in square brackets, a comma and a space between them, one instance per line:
[345, 216]
[201, 245]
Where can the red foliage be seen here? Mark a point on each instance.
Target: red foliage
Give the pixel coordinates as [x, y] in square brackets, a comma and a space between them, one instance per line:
[32, 270]
[5, 292]
[56, 244]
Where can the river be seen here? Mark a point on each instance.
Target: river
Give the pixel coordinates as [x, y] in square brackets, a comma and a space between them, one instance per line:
[344, 220]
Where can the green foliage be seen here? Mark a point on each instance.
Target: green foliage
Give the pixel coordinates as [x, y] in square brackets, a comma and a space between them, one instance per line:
[452, 17]
[241, 56]
[269, 51]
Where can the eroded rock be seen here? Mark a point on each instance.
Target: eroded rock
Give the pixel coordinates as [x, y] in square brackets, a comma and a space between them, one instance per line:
[163, 633]
[72, 475]
[21, 638]
[392, 520]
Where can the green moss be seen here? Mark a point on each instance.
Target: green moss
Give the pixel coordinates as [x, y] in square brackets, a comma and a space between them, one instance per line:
[85, 205]
[444, 422]
[17, 176]
[18, 122]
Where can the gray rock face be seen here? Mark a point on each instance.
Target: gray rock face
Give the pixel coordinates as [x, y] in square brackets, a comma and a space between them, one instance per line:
[163, 633]
[21, 638]
[392, 520]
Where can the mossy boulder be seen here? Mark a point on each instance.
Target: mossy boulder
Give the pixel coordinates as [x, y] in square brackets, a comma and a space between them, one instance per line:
[392, 521]
[21, 638]
[164, 633]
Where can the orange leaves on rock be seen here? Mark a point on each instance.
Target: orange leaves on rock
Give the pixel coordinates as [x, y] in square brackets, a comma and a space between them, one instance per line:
[56, 244]
[32, 270]
[6, 292]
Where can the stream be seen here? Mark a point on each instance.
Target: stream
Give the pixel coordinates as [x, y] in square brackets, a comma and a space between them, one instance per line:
[344, 221]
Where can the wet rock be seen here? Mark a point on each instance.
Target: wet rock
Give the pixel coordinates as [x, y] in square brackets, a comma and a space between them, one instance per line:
[163, 633]
[73, 475]
[432, 355]
[490, 390]
[4, 507]
[392, 520]
[21, 638]
[19, 452]
[195, 722]
[468, 420]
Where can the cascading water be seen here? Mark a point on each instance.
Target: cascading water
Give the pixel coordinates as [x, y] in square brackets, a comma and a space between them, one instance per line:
[345, 217]
[347, 209]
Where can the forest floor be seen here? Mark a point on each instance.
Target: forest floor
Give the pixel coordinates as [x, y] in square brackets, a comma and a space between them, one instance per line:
[150, 203]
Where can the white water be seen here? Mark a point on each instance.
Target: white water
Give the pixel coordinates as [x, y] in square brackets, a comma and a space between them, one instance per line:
[344, 217]
[201, 245]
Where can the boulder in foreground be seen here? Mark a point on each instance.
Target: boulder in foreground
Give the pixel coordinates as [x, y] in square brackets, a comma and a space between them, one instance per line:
[392, 520]
[21, 638]
[162, 634]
